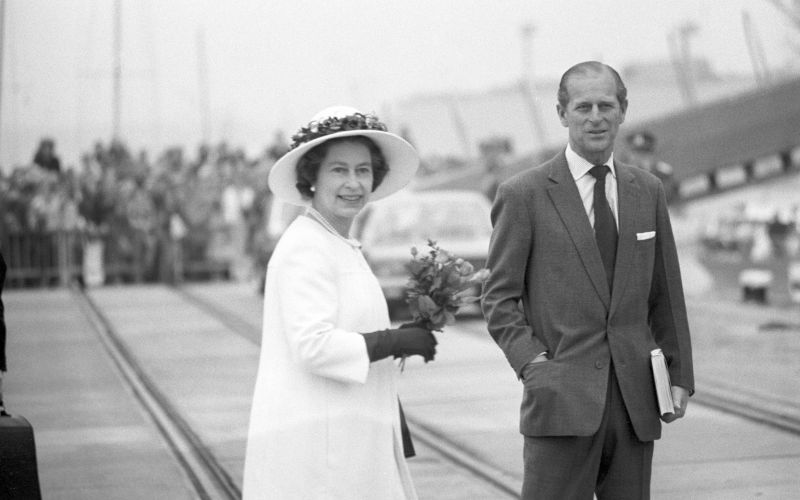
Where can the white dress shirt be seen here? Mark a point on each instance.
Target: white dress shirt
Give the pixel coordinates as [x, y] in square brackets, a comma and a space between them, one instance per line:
[579, 168]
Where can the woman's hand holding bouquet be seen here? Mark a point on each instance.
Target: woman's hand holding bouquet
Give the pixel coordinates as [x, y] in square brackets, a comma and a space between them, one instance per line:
[439, 285]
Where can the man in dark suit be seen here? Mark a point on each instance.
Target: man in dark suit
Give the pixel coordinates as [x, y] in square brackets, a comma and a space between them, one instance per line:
[584, 284]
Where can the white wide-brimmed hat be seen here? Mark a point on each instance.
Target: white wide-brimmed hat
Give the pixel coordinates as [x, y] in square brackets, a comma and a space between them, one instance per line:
[343, 121]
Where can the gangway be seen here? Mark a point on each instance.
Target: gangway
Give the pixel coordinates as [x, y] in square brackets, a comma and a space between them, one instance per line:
[756, 134]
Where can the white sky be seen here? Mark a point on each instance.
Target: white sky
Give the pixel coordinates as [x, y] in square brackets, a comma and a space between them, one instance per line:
[272, 64]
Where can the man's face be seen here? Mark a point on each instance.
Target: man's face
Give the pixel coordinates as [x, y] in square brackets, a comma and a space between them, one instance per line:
[593, 115]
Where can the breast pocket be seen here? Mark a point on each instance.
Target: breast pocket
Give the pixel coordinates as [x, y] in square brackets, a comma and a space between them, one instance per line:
[645, 235]
[646, 245]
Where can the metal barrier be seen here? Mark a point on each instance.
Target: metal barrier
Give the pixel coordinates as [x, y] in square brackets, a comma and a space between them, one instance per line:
[41, 258]
[47, 259]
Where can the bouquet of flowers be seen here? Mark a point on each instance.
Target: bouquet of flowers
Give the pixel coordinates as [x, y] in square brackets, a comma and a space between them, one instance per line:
[439, 285]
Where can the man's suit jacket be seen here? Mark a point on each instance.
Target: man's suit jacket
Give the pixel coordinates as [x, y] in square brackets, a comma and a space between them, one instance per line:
[548, 292]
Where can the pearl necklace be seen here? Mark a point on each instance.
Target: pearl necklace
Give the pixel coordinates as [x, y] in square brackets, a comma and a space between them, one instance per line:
[314, 214]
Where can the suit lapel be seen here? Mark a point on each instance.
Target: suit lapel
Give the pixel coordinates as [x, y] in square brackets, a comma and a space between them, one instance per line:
[567, 201]
[628, 203]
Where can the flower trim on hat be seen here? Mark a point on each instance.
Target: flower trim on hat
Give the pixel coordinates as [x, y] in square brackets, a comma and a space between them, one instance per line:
[333, 124]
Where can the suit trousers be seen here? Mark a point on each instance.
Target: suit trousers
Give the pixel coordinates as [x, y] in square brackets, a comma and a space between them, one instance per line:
[612, 463]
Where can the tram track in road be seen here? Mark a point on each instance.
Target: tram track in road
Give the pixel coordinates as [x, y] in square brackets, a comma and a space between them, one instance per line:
[772, 411]
[780, 415]
[734, 328]
[208, 477]
[749, 405]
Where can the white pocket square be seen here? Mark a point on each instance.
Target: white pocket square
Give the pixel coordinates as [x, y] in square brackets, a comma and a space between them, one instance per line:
[645, 235]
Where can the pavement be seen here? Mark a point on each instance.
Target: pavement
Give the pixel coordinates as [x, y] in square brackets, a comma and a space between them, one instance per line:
[94, 441]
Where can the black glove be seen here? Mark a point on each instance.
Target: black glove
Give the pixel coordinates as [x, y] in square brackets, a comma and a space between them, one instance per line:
[400, 342]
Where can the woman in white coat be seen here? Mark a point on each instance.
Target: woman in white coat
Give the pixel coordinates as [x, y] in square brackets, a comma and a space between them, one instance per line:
[325, 421]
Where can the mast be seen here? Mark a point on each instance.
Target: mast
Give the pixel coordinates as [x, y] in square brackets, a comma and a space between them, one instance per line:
[2, 49]
[460, 125]
[117, 71]
[755, 50]
[202, 87]
[527, 83]
[680, 53]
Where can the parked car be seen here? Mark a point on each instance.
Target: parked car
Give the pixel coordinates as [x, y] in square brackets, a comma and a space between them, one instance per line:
[457, 220]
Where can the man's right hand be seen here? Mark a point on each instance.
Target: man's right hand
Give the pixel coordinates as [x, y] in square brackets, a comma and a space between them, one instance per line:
[541, 358]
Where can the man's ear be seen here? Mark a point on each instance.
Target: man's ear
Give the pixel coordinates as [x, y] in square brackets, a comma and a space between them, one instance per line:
[561, 111]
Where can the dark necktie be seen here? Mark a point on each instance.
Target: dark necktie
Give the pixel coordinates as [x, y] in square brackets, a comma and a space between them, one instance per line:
[605, 229]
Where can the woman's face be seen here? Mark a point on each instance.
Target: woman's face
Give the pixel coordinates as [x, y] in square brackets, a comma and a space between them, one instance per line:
[344, 182]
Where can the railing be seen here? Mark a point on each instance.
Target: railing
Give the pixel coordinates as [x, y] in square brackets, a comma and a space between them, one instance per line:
[41, 258]
[58, 258]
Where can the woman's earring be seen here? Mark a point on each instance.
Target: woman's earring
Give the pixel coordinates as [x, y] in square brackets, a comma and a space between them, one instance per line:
[313, 189]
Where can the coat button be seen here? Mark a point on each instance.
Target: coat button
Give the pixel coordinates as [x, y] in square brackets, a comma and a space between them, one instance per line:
[599, 365]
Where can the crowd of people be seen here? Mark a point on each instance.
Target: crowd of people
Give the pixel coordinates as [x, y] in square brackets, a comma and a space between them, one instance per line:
[212, 206]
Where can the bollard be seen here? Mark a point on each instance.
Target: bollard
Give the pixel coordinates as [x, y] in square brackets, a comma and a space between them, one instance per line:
[93, 268]
[794, 281]
[755, 284]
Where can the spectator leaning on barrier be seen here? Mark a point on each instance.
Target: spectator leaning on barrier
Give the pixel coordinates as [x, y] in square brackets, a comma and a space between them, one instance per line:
[126, 203]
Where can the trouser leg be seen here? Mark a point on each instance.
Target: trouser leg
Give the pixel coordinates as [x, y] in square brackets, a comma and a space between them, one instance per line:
[612, 462]
[560, 468]
[626, 464]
